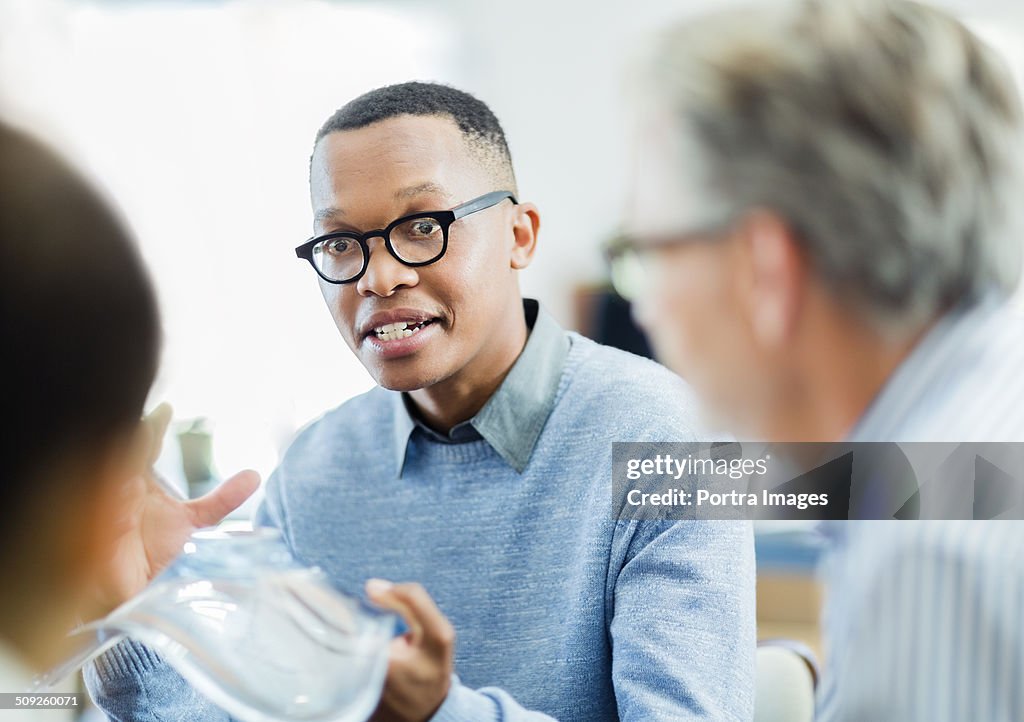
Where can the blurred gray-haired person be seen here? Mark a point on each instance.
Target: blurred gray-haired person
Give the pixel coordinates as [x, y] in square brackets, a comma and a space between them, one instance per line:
[828, 215]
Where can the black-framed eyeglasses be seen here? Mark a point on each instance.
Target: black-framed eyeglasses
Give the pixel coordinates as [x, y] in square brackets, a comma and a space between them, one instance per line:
[418, 239]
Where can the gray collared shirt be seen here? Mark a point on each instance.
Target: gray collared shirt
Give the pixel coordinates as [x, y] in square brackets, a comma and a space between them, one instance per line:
[512, 419]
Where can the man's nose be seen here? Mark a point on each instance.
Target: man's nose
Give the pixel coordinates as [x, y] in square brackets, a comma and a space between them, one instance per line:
[384, 273]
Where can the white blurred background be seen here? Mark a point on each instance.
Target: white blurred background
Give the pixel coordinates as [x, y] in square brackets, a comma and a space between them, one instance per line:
[198, 118]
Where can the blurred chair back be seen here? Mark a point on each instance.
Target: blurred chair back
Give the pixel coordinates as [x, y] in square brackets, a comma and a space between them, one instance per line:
[786, 678]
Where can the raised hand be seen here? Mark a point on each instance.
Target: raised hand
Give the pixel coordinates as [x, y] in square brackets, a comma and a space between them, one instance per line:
[157, 519]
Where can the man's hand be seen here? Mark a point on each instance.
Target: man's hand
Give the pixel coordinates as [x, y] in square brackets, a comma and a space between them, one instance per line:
[157, 520]
[422, 659]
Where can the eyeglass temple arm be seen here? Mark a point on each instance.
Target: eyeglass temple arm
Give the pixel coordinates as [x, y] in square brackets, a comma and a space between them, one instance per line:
[485, 201]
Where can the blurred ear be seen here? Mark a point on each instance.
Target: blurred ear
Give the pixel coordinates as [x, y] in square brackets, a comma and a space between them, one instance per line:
[524, 231]
[776, 274]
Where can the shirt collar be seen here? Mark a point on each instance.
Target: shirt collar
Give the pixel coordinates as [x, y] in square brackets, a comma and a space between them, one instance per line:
[915, 376]
[512, 419]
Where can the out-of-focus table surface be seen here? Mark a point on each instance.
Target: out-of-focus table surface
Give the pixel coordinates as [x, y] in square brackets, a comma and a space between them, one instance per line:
[789, 595]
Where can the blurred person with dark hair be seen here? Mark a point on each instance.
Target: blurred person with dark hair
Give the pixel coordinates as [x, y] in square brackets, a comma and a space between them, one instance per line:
[828, 205]
[477, 474]
[80, 347]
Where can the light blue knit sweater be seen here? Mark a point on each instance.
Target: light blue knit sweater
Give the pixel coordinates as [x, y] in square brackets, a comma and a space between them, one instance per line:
[560, 611]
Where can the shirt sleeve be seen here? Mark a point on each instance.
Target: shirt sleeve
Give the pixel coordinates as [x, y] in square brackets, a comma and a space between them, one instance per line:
[683, 624]
[132, 683]
[271, 511]
[487, 704]
[683, 629]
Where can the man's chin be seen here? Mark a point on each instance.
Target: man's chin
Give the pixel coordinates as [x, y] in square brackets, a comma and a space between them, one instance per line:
[393, 378]
[401, 385]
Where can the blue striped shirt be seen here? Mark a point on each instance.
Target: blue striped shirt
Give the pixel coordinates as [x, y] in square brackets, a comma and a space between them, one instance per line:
[924, 618]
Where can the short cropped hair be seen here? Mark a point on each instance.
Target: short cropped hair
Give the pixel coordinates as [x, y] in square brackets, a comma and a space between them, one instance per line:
[884, 132]
[479, 126]
[78, 320]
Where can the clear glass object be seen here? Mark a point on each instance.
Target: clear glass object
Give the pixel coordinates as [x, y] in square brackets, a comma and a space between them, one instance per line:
[254, 631]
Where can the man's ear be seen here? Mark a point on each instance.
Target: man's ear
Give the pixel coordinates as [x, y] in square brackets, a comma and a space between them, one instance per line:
[524, 234]
[777, 272]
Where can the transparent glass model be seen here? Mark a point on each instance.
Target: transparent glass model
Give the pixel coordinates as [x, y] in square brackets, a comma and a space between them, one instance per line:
[255, 632]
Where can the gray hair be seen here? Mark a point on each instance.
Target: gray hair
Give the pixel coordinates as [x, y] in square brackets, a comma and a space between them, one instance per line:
[882, 131]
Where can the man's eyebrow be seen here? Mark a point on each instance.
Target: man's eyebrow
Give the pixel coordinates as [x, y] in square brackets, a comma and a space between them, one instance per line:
[326, 214]
[333, 212]
[428, 187]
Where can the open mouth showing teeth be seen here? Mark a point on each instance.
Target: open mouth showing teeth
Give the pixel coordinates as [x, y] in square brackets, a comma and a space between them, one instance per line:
[400, 329]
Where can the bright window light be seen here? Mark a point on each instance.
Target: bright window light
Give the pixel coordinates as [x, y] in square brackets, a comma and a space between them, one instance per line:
[199, 118]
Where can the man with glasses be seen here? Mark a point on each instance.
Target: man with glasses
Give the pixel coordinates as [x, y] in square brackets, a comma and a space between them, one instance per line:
[478, 475]
[829, 220]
